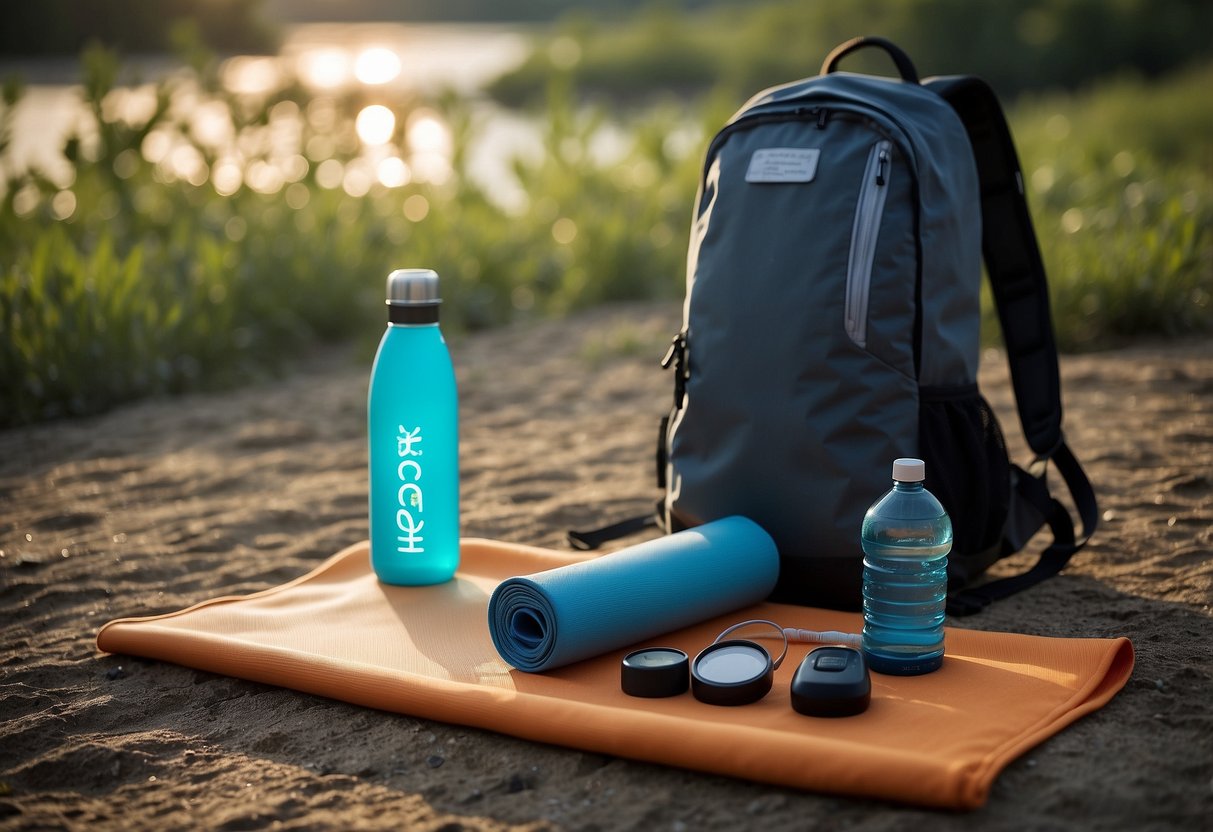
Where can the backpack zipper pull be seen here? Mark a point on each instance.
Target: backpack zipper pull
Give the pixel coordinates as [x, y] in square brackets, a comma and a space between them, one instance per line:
[676, 355]
[822, 114]
[675, 351]
[881, 162]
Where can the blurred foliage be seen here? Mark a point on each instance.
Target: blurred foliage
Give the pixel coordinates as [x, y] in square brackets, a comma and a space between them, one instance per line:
[134, 277]
[1120, 185]
[64, 27]
[471, 11]
[1016, 45]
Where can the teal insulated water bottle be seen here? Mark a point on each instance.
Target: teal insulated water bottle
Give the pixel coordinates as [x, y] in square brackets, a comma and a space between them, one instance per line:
[413, 440]
[906, 537]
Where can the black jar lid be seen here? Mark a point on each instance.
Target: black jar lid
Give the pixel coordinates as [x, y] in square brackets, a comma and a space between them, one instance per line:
[655, 672]
[733, 672]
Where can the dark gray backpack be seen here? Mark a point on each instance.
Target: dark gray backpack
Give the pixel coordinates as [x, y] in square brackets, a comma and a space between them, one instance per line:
[832, 324]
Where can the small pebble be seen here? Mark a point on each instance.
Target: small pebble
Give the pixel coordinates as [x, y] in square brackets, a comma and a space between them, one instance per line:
[766, 803]
[434, 761]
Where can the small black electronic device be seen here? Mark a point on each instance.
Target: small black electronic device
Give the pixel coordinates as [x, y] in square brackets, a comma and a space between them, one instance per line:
[832, 681]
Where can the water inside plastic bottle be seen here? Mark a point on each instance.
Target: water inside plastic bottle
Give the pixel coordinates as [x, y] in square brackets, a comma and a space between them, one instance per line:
[906, 538]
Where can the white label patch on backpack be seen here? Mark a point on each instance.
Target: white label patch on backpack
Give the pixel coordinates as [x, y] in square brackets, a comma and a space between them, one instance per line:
[783, 164]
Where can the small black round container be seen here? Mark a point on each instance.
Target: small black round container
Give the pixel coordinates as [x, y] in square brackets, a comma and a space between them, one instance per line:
[733, 672]
[654, 673]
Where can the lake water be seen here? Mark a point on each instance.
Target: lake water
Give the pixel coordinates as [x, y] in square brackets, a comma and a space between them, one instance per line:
[375, 59]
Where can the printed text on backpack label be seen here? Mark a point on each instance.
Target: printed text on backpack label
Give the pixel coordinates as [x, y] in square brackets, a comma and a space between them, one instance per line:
[783, 164]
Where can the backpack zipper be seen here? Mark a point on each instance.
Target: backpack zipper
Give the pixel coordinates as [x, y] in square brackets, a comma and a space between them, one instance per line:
[821, 115]
[864, 234]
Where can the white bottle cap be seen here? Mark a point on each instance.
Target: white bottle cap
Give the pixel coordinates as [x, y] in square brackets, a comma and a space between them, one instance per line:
[909, 470]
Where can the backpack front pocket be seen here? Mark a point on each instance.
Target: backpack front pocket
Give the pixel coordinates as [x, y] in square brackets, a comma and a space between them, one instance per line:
[869, 211]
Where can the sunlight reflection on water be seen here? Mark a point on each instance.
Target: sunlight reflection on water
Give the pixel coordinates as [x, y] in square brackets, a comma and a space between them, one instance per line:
[377, 65]
[424, 57]
[388, 62]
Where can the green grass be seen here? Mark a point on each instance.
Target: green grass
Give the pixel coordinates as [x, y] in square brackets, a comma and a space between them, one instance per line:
[1121, 189]
[127, 282]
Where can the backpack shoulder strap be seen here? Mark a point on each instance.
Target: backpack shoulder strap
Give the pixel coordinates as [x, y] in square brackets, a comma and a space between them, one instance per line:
[590, 539]
[1020, 289]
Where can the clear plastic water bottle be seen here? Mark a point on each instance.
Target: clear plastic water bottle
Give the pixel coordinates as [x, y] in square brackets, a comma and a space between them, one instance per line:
[413, 440]
[906, 538]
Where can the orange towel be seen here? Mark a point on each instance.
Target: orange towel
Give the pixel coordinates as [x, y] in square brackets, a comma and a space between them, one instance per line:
[938, 740]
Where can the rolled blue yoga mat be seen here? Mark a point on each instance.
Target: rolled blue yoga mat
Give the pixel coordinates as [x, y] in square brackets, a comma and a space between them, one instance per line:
[550, 619]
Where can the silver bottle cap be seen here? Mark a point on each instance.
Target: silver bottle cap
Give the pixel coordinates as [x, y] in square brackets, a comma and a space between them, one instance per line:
[413, 287]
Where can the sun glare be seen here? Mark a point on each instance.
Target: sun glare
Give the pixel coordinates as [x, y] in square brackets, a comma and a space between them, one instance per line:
[251, 75]
[392, 172]
[226, 176]
[325, 68]
[429, 142]
[375, 124]
[427, 133]
[377, 66]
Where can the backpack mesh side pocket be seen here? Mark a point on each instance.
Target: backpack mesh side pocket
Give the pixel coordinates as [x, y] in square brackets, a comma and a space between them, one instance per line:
[968, 470]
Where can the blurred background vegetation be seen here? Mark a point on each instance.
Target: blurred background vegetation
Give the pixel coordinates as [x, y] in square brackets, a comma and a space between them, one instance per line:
[200, 230]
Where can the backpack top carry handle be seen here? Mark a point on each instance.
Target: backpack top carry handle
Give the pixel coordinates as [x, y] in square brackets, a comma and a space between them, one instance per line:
[902, 61]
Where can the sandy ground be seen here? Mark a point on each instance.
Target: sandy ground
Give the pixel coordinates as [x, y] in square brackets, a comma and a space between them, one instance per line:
[165, 503]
